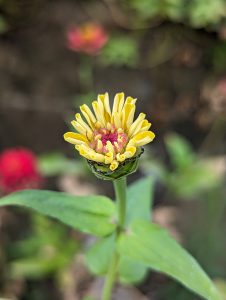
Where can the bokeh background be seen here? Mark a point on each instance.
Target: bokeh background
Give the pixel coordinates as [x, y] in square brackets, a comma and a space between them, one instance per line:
[57, 55]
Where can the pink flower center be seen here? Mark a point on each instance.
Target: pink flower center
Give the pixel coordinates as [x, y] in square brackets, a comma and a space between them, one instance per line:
[109, 140]
[112, 137]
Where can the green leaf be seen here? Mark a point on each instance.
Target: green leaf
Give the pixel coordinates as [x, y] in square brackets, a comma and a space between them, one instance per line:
[90, 214]
[98, 258]
[131, 271]
[53, 164]
[99, 255]
[139, 200]
[221, 285]
[151, 245]
[180, 151]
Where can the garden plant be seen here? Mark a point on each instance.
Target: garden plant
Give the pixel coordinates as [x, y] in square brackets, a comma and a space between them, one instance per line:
[129, 243]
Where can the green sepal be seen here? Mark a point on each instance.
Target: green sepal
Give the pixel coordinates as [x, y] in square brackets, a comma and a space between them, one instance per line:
[125, 168]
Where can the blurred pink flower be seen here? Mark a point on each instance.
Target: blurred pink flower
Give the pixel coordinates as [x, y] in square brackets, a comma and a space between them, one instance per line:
[88, 38]
[18, 170]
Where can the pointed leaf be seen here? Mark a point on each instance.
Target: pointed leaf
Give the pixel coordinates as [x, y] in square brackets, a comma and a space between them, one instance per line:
[90, 214]
[149, 244]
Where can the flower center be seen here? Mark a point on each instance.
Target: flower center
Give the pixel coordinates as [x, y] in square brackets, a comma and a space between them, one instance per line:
[112, 137]
[109, 140]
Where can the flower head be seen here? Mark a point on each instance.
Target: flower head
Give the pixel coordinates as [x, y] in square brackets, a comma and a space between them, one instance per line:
[88, 38]
[110, 136]
[18, 170]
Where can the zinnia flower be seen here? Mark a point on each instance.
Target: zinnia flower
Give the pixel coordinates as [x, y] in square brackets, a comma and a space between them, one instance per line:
[18, 170]
[110, 136]
[88, 38]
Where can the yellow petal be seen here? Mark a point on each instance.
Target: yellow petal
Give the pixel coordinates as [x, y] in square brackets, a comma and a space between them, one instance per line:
[87, 113]
[116, 120]
[130, 151]
[101, 109]
[103, 102]
[108, 158]
[114, 165]
[99, 112]
[145, 125]
[128, 115]
[90, 154]
[99, 147]
[79, 128]
[97, 157]
[107, 110]
[75, 138]
[118, 103]
[120, 157]
[135, 127]
[110, 147]
[130, 100]
[84, 125]
[143, 138]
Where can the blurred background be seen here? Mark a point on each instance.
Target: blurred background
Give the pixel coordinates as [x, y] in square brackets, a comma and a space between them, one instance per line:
[57, 55]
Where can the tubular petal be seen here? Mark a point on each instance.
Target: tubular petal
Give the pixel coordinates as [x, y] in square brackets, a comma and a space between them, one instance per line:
[145, 125]
[118, 103]
[130, 151]
[114, 165]
[136, 125]
[106, 104]
[99, 146]
[143, 138]
[97, 157]
[128, 115]
[84, 125]
[78, 127]
[88, 115]
[120, 157]
[116, 120]
[75, 138]
[104, 101]
[99, 114]
[108, 158]
[90, 154]
[110, 147]
[130, 100]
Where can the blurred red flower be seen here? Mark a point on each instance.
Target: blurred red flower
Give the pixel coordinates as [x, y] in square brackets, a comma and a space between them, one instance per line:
[88, 38]
[18, 170]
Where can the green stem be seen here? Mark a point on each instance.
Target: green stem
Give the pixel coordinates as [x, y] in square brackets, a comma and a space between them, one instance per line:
[120, 192]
